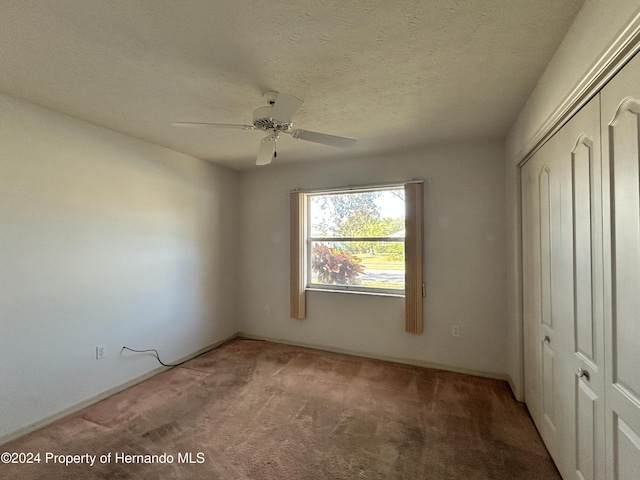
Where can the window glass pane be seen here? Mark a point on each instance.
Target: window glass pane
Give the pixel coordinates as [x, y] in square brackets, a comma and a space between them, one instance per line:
[375, 213]
[368, 264]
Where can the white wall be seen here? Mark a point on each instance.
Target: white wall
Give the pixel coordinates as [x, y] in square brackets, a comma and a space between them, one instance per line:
[104, 239]
[592, 33]
[464, 261]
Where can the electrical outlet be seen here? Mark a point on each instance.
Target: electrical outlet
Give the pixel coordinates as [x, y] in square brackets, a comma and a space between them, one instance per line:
[266, 309]
[101, 352]
[455, 330]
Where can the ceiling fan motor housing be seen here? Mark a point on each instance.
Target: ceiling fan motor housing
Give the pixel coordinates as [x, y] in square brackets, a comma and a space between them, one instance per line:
[263, 120]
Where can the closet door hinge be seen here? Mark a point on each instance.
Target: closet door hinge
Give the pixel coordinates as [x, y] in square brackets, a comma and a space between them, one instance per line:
[424, 289]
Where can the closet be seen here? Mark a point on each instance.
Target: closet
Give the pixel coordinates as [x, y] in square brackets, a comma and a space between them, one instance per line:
[581, 286]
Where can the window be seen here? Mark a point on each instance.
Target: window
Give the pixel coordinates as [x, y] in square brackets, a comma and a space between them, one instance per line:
[364, 240]
[355, 241]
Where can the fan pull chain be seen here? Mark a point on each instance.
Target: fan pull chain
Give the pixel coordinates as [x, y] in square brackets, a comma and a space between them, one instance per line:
[275, 145]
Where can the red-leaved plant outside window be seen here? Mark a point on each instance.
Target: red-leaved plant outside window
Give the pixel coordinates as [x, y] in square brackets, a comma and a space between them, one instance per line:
[335, 267]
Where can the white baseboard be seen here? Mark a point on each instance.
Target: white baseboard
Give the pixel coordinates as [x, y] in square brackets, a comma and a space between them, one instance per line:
[514, 390]
[404, 361]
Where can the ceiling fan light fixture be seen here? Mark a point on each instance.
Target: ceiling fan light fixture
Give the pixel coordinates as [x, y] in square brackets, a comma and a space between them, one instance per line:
[267, 150]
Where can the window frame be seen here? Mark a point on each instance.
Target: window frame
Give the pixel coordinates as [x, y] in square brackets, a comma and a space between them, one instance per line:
[310, 240]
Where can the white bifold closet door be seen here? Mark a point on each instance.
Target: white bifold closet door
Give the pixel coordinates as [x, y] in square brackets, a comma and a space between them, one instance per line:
[541, 247]
[563, 295]
[581, 211]
[621, 181]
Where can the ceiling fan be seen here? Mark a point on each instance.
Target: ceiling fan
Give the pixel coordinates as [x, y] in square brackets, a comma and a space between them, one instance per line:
[275, 118]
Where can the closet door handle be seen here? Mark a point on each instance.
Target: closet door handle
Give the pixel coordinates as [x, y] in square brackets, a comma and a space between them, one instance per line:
[583, 374]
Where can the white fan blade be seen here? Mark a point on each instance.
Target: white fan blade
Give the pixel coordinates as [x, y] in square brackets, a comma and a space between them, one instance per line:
[284, 107]
[266, 150]
[323, 138]
[215, 125]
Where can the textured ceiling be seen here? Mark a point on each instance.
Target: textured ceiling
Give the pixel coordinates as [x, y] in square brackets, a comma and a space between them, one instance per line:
[394, 75]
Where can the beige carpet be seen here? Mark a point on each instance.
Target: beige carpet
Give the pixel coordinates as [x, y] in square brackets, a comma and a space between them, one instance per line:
[259, 410]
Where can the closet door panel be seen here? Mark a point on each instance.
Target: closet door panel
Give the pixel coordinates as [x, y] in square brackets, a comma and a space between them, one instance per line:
[582, 292]
[586, 455]
[531, 290]
[621, 141]
[549, 229]
[626, 250]
[583, 165]
[541, 233]
[545, 380]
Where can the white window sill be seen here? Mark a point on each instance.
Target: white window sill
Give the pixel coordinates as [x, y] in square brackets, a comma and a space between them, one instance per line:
[356, 292]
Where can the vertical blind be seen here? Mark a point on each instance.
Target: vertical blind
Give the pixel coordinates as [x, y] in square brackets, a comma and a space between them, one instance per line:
[297, 251]
[413, 258]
